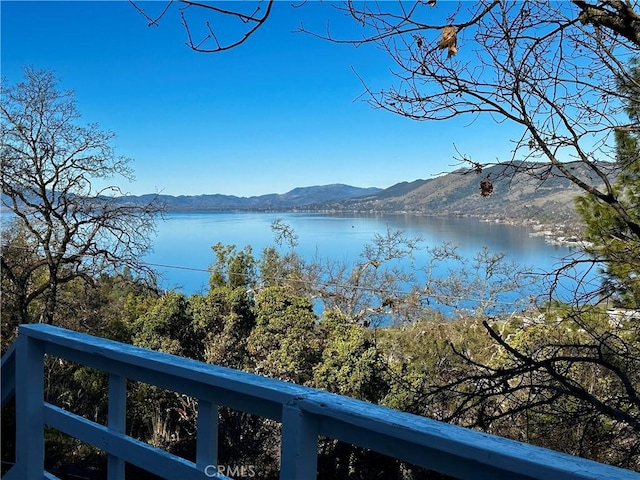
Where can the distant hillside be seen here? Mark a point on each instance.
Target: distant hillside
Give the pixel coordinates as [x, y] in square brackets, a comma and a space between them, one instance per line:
[400, 189]
[296, 198]
[516, 196]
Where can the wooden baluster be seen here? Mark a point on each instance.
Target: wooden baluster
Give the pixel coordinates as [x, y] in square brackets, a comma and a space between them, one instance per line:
[207, 441]
[117, 421]
[29, 408]
[299, 444]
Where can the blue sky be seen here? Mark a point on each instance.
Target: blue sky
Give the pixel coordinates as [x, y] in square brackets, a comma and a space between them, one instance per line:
[283, 110]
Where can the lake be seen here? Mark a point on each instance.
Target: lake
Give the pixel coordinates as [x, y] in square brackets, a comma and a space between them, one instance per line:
[182, 248]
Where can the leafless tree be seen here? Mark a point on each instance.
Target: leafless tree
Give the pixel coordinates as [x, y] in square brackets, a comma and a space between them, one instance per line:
[566, 380]
[549, 67]
[209, 27]
[396, 280]
[63, 226]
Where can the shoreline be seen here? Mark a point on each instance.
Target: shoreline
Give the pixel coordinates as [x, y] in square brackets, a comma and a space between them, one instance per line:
[562, 234]
[554, 234]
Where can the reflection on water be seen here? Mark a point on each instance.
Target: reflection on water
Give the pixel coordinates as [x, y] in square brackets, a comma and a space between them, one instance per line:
[185, 239]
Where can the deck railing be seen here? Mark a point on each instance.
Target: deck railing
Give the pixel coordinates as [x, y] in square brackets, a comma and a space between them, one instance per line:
[304, 413]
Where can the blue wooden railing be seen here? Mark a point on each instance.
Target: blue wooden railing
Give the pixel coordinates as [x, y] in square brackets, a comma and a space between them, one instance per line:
[304, 413]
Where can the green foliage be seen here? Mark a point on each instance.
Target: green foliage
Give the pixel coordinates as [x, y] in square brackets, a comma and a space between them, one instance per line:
[285, 342]
[233, 268]
[613, 244]
[159, 416]
[612, 227]
[422, 359]
[66, 456]
[573, 391]
[167, 327]
[286, 270]
[351, 364]
[222, 322]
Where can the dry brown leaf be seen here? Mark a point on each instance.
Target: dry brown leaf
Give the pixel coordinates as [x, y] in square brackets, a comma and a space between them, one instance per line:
[486, 187]
[448, 40]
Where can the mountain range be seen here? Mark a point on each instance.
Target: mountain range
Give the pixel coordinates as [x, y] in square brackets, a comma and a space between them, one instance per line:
[529, 192]
[534, 192]
[296, 198]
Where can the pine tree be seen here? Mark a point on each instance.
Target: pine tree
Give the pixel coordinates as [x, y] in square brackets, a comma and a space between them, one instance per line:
[611, 239]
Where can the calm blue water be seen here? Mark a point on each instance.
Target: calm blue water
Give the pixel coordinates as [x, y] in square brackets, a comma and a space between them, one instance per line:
[184, 240]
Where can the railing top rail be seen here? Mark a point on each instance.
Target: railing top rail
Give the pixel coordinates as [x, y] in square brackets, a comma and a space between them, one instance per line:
[333, 411]
[183, 374]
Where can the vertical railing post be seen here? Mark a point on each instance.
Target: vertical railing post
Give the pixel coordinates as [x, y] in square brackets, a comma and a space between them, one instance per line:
[299, 444]
[29, 408]
[117, 419]
[207, 436]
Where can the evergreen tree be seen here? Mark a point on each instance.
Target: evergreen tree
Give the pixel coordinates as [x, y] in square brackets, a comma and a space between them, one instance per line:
[611, 239]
